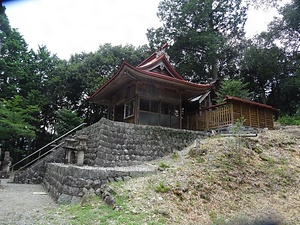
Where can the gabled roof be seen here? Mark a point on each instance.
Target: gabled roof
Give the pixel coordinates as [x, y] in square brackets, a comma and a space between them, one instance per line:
[159, 62]
[155, 68]
[228, 97]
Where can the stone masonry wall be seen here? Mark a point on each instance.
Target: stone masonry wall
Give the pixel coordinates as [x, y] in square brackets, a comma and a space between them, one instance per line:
[116, 151]
[121, 144]
[36, 172]
[68, 183]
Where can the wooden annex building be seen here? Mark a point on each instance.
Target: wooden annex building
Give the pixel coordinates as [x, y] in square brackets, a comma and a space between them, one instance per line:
[153, 93]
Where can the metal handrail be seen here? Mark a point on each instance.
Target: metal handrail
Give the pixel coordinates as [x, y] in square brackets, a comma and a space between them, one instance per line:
[40, 156]
[39, 150]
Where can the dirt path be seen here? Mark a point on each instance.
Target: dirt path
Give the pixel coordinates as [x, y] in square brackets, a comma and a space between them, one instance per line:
[24, 204]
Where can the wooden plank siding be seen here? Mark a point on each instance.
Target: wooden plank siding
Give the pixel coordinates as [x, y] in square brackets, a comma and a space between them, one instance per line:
[223, 115]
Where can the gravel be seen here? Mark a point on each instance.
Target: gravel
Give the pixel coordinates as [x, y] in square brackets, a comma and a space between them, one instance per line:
[22, 204]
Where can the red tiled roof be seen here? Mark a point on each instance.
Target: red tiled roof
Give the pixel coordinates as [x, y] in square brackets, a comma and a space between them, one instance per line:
[143, 70]
[152, 56]
[228, 97]
[150, 75]
[155, 59]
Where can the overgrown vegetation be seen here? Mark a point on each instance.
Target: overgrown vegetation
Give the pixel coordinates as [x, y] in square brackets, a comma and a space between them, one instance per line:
[233, 87]
[94, 211]
[290, 120]
[217, 184]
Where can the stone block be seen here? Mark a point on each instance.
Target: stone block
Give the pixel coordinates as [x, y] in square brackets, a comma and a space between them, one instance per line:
[75, 200]
[118, 179]
[64, 199]
[96, 184]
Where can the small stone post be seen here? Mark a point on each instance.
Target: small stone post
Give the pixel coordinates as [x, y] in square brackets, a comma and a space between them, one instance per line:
[81, 148]
[6, 165]
[70, 148]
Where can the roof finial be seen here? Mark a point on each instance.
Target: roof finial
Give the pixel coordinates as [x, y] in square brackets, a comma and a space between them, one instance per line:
[161, 51]
[164, 46]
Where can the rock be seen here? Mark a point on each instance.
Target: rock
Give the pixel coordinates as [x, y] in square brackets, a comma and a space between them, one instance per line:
[87, 200]
[163, 212]
[64, 199]
[205, 196]
[109, 200]
[75, 200]
[265, 157]
[111, 190]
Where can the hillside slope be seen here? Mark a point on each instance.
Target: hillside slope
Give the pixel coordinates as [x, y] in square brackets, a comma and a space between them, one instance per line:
[223, 180]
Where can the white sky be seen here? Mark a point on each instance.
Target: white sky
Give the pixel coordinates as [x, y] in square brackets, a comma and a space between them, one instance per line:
[72, 26]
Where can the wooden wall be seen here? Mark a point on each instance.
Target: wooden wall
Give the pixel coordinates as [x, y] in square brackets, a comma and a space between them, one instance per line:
[255, 116]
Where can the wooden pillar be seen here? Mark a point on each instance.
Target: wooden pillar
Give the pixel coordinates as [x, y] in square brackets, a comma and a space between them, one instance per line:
[206, 119]
[136, 103]
[257, 115]
[232, 113]
[180, 112]
[266, 125]
[249, 112]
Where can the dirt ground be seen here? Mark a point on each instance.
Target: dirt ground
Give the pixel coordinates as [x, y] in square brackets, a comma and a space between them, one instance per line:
[24, 204]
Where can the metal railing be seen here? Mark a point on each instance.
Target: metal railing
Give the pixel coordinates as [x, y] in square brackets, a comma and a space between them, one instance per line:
[39, 151]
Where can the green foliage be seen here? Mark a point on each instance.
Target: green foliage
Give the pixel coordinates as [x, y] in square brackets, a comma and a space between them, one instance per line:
[66, 121]
[175, 155]
[100, 213]
[289, 120]
[233, 87]
[164, 165]
[260, 67]
[162, 188]
[285, 27]
[203, 34]
[16, 119]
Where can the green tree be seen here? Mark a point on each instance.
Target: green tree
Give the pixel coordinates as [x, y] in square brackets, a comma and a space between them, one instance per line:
[86, 72]
[262, 69]
[233, 87]
[16, 129]
[13, 58]
[271, 62]
[204, 35]
[286, 27]
[66, 120]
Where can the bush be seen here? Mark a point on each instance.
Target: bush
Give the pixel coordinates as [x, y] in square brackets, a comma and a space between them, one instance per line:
[289, 120]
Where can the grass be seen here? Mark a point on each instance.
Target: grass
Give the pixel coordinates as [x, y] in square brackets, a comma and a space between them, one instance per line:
[164, 165]
[162, 188]
[99, 213]
[225, 184]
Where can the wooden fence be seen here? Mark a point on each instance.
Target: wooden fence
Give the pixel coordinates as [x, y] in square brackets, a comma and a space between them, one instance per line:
[228, 113]
[210, 118]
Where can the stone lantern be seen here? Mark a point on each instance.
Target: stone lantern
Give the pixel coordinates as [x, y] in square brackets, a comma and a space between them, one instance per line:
[70, 150]
[81, 148]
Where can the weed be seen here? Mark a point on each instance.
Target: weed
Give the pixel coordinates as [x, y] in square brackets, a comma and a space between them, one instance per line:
[175, 155]
[164, 165]
[237, 130]
[104, 214]
[150, 184]
[162, 188]
[283, 161]
[200, 159]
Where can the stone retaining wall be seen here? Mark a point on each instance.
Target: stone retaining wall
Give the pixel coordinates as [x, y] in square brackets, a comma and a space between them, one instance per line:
[68, 183]
[121, 144]
[35, 173]
[115, 152]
